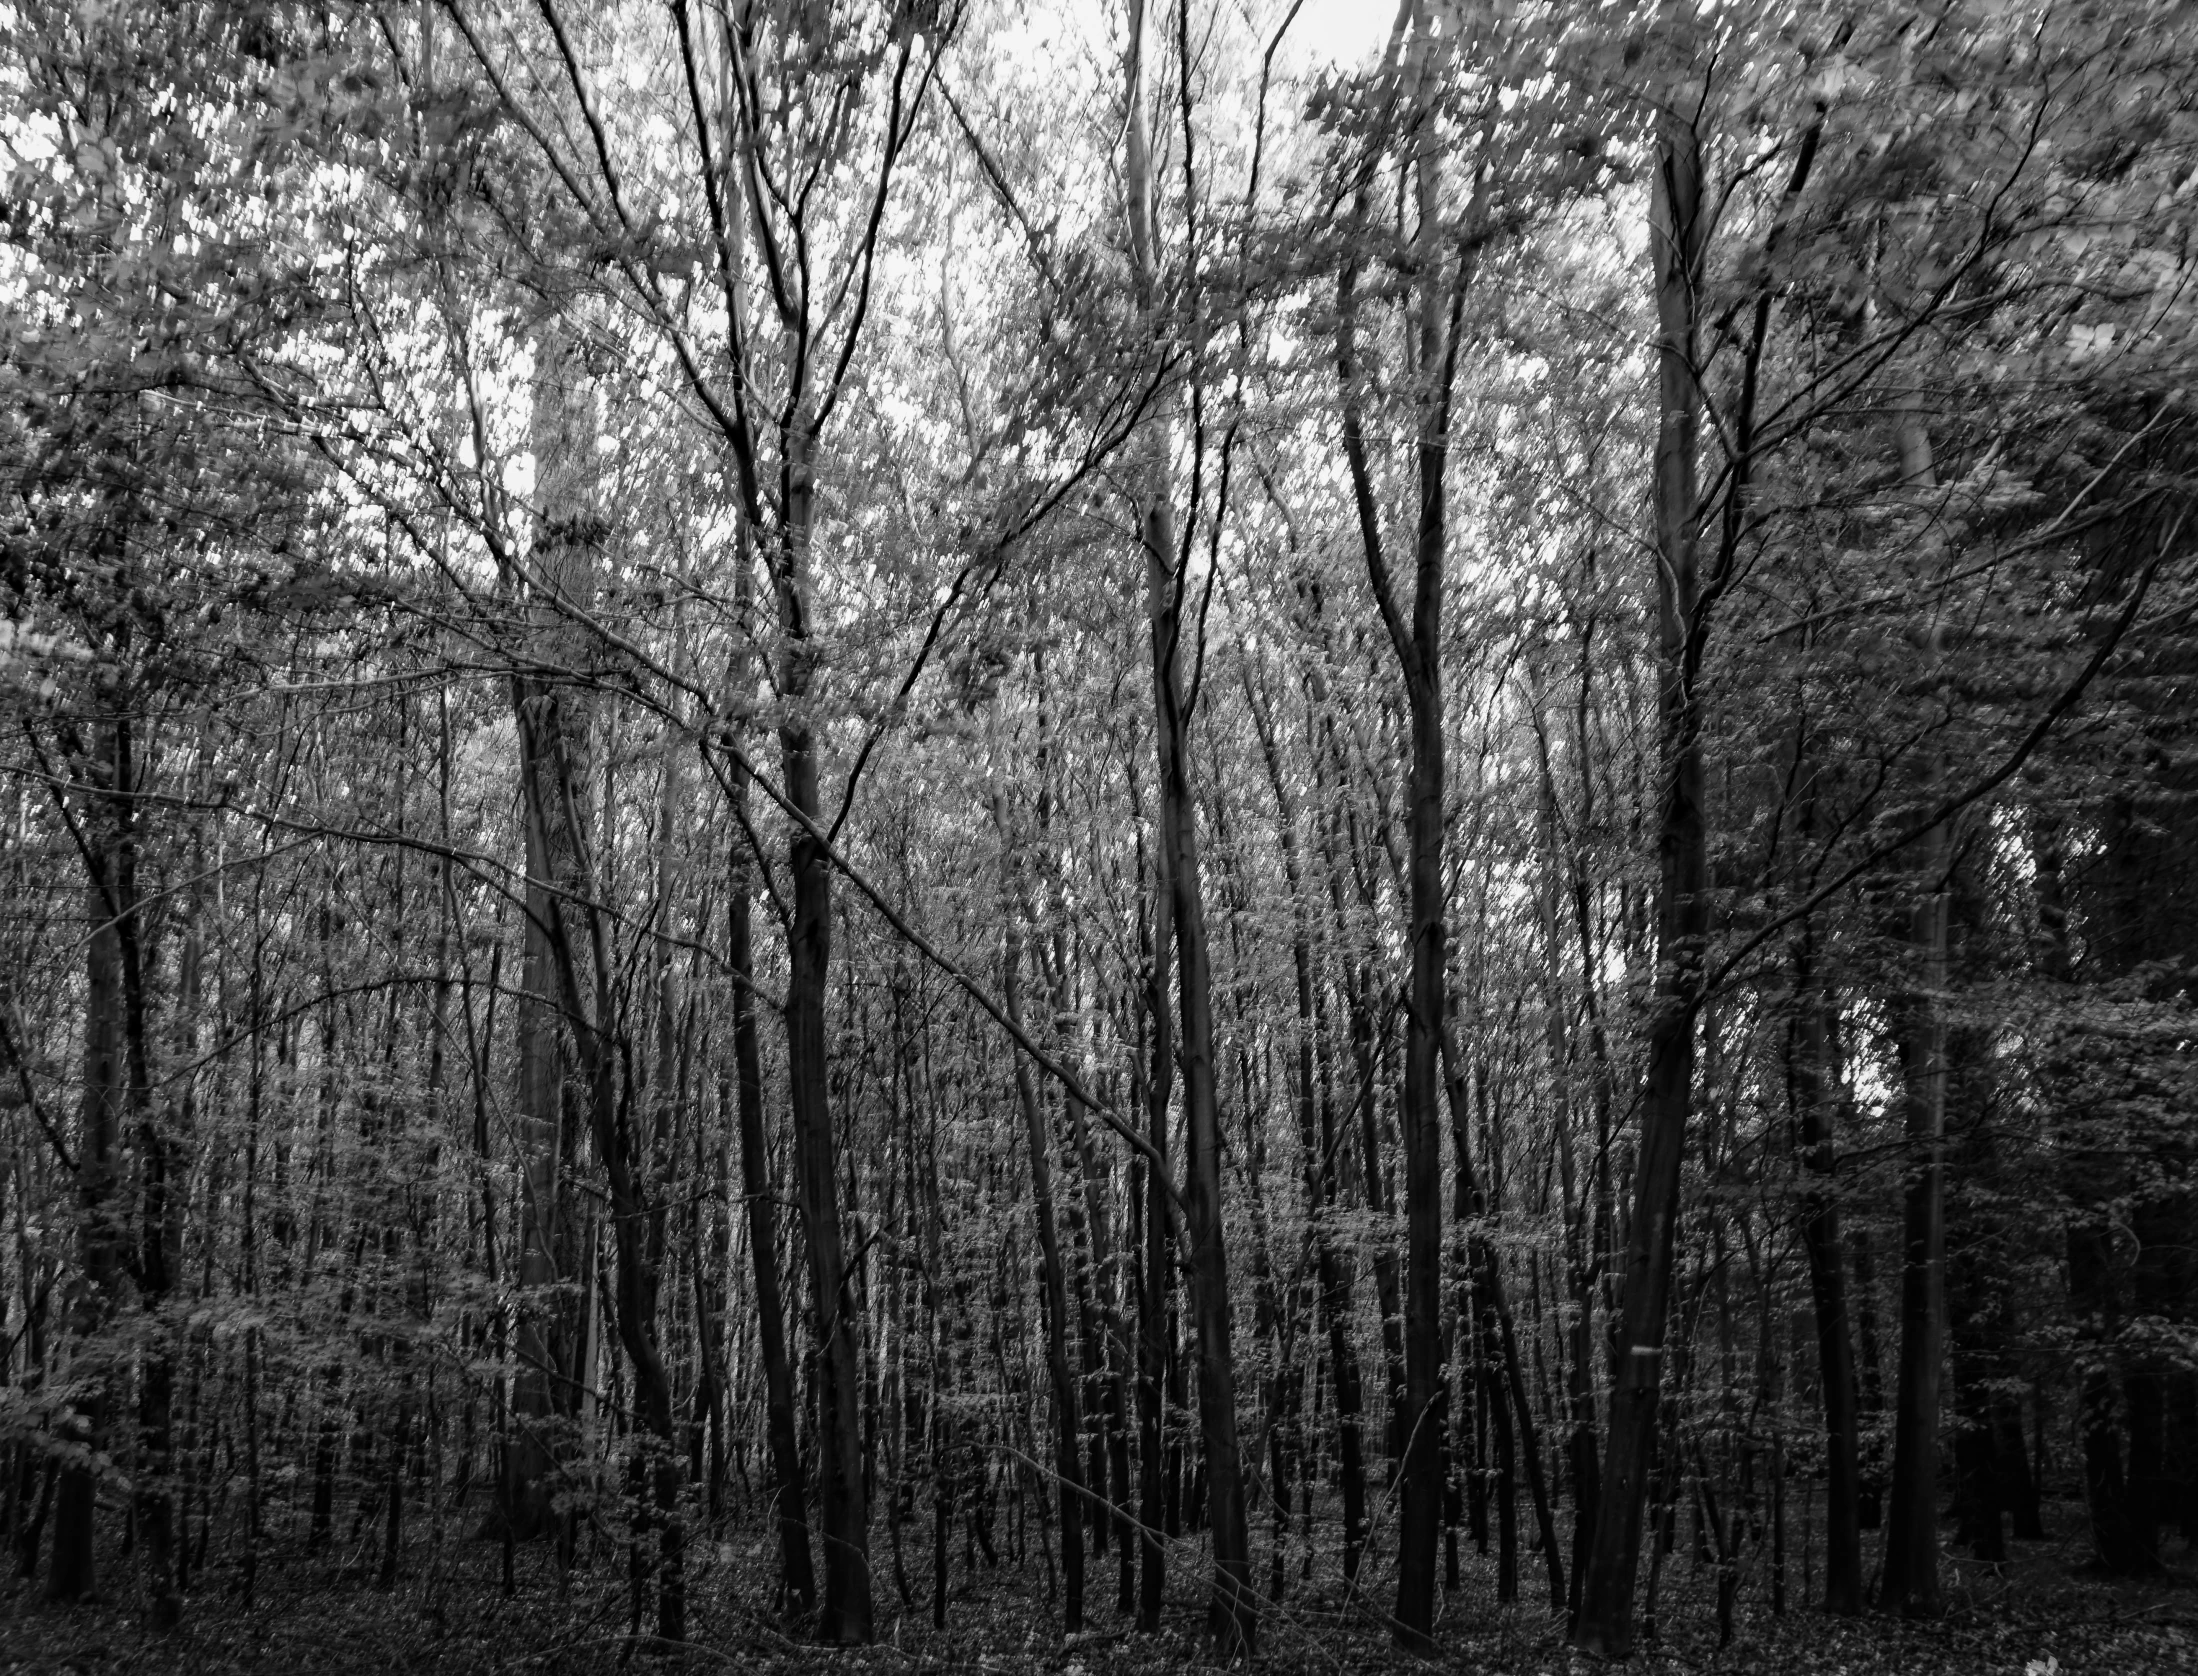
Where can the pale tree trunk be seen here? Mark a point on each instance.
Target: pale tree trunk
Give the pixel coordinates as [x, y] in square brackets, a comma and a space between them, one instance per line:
[553, 727]
[1232, 1614]
[1605, 1623]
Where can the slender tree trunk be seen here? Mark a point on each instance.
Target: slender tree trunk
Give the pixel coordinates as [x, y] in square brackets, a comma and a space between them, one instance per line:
[1113, 1374]
[1337, 1287]
[1501, 1413]
[1416, 641]
[1232, 1614]
[1317, 1145]
[1817, 1097]
[782, 1448]
[1576, 1343]
[1067, 1422]
[1911, 1541]
[1816, 1100]
[553, 729]
[72, 1573]
[636, 1163]
[1509, 1391]
[1156, 1265]
[1605, 1624]
[846, 1618]
[1375, 1073]
[160, 1246]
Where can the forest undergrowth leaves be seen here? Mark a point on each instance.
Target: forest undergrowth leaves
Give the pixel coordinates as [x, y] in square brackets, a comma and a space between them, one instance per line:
[2045, 1614]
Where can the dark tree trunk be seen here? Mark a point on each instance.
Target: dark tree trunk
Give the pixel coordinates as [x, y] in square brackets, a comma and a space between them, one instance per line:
[847, 1618]
[1911, 1544]
[1067, 1421]
[1232, 1613]
[72, 1573]
[783, 1453]
[1911, 1541]
[1605, 1625]
[1508, 1403]
[1816, 1098]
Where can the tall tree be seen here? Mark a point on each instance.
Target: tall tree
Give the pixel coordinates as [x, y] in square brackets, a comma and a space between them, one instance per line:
[1678, 232]
[1232, 1614]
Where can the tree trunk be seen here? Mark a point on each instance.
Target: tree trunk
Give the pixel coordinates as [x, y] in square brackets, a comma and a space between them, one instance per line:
[1417, 644]
[1576, 1341]
[1817, 1097]
[847, 1607]
[1911, 1541]
[553, 729]
[1112, 1370]
[1067, 1422]
[1232, 1613]
[160, 1243]
[1156, 1263]
[1316, 1147]
[1816, 1101]
[1605, 1626]
[72, 1573]
[783, 1453]
[1508, 1390]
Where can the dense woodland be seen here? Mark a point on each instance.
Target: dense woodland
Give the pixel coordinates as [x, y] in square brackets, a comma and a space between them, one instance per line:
[1256, 811]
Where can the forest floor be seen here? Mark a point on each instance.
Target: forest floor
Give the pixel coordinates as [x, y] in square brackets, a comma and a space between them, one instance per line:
[2044, 1614]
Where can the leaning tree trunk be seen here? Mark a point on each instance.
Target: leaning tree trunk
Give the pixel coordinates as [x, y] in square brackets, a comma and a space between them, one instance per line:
[1605, 1624]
